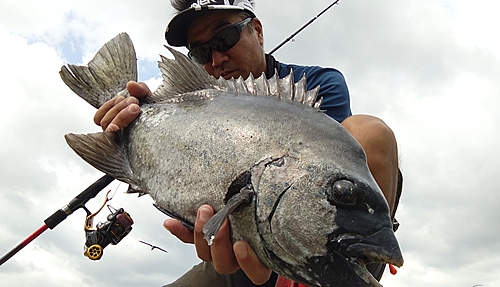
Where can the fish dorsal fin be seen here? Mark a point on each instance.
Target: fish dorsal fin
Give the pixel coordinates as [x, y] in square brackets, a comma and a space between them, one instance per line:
[181, 75]
[106, 75]
[283, 88]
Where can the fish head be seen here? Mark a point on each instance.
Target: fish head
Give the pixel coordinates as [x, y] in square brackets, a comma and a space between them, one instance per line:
[322, 221]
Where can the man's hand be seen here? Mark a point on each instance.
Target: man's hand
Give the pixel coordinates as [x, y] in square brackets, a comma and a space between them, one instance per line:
[119, 112]
[226, 257]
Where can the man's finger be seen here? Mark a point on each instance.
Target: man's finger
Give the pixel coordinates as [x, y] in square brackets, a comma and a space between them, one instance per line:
[104, 109]
[138, 90]
[250, 263]
[120, 110]
[124, 117]
[222, 251]
[202, 248]
[178, 230]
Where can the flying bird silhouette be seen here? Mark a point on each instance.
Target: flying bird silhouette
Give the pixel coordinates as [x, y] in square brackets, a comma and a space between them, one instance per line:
[153, 246]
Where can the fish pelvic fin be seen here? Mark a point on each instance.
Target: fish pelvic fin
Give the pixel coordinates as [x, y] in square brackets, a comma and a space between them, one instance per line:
[106, 75]
[104, 151]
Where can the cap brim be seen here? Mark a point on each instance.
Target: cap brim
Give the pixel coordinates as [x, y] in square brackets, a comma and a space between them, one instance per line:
[176, 33]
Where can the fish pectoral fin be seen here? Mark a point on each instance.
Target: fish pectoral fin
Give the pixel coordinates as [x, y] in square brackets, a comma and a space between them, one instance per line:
[213, 224]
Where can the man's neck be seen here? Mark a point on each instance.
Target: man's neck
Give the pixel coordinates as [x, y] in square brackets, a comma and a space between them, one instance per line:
[272, 66]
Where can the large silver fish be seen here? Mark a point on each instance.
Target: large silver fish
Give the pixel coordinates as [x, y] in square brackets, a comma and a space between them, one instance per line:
[294, 183]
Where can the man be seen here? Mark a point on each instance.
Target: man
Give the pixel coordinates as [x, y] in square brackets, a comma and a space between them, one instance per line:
[226, 38]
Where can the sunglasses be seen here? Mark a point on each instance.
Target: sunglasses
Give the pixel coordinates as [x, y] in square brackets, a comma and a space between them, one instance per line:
[222, 42]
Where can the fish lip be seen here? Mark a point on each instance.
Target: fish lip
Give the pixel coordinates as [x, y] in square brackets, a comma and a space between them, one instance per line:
[375, 254]
[379, 247]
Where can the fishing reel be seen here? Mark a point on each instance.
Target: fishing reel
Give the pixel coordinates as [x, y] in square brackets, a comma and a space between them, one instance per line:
[117, 226]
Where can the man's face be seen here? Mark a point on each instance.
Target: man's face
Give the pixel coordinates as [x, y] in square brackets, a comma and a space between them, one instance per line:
[245, 57]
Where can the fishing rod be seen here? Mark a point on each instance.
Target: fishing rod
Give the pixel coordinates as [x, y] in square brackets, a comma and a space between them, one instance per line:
[303, 27]
[60, 215]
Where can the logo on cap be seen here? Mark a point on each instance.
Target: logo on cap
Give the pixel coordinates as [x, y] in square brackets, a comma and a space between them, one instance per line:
[245, 4]
[203, 2]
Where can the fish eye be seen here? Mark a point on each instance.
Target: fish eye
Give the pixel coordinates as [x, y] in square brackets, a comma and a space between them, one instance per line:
[344, 192]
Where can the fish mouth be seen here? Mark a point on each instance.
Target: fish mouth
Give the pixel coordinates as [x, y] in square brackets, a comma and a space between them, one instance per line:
[359, 266]
[380, 247]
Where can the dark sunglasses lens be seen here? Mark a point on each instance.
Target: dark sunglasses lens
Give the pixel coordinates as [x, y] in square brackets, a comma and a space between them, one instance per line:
[201, 54]
[222, 42]
[226, 39]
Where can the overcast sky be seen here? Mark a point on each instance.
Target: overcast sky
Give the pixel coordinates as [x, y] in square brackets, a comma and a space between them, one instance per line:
[429, 68]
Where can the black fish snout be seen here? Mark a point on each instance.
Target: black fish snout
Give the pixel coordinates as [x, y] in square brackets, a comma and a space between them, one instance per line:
[381, 246]
[343, 192]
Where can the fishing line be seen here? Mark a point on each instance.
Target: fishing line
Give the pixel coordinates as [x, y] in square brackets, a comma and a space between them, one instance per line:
[110, 198]
[125, 198]
[116, 189]
[291, 37]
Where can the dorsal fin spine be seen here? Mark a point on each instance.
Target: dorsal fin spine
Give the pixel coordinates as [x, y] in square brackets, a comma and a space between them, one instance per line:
[240, 85]
[273, 84]
[300, 90]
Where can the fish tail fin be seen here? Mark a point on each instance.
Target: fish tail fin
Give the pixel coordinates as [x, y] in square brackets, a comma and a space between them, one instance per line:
[106, 75]
[104, 151]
